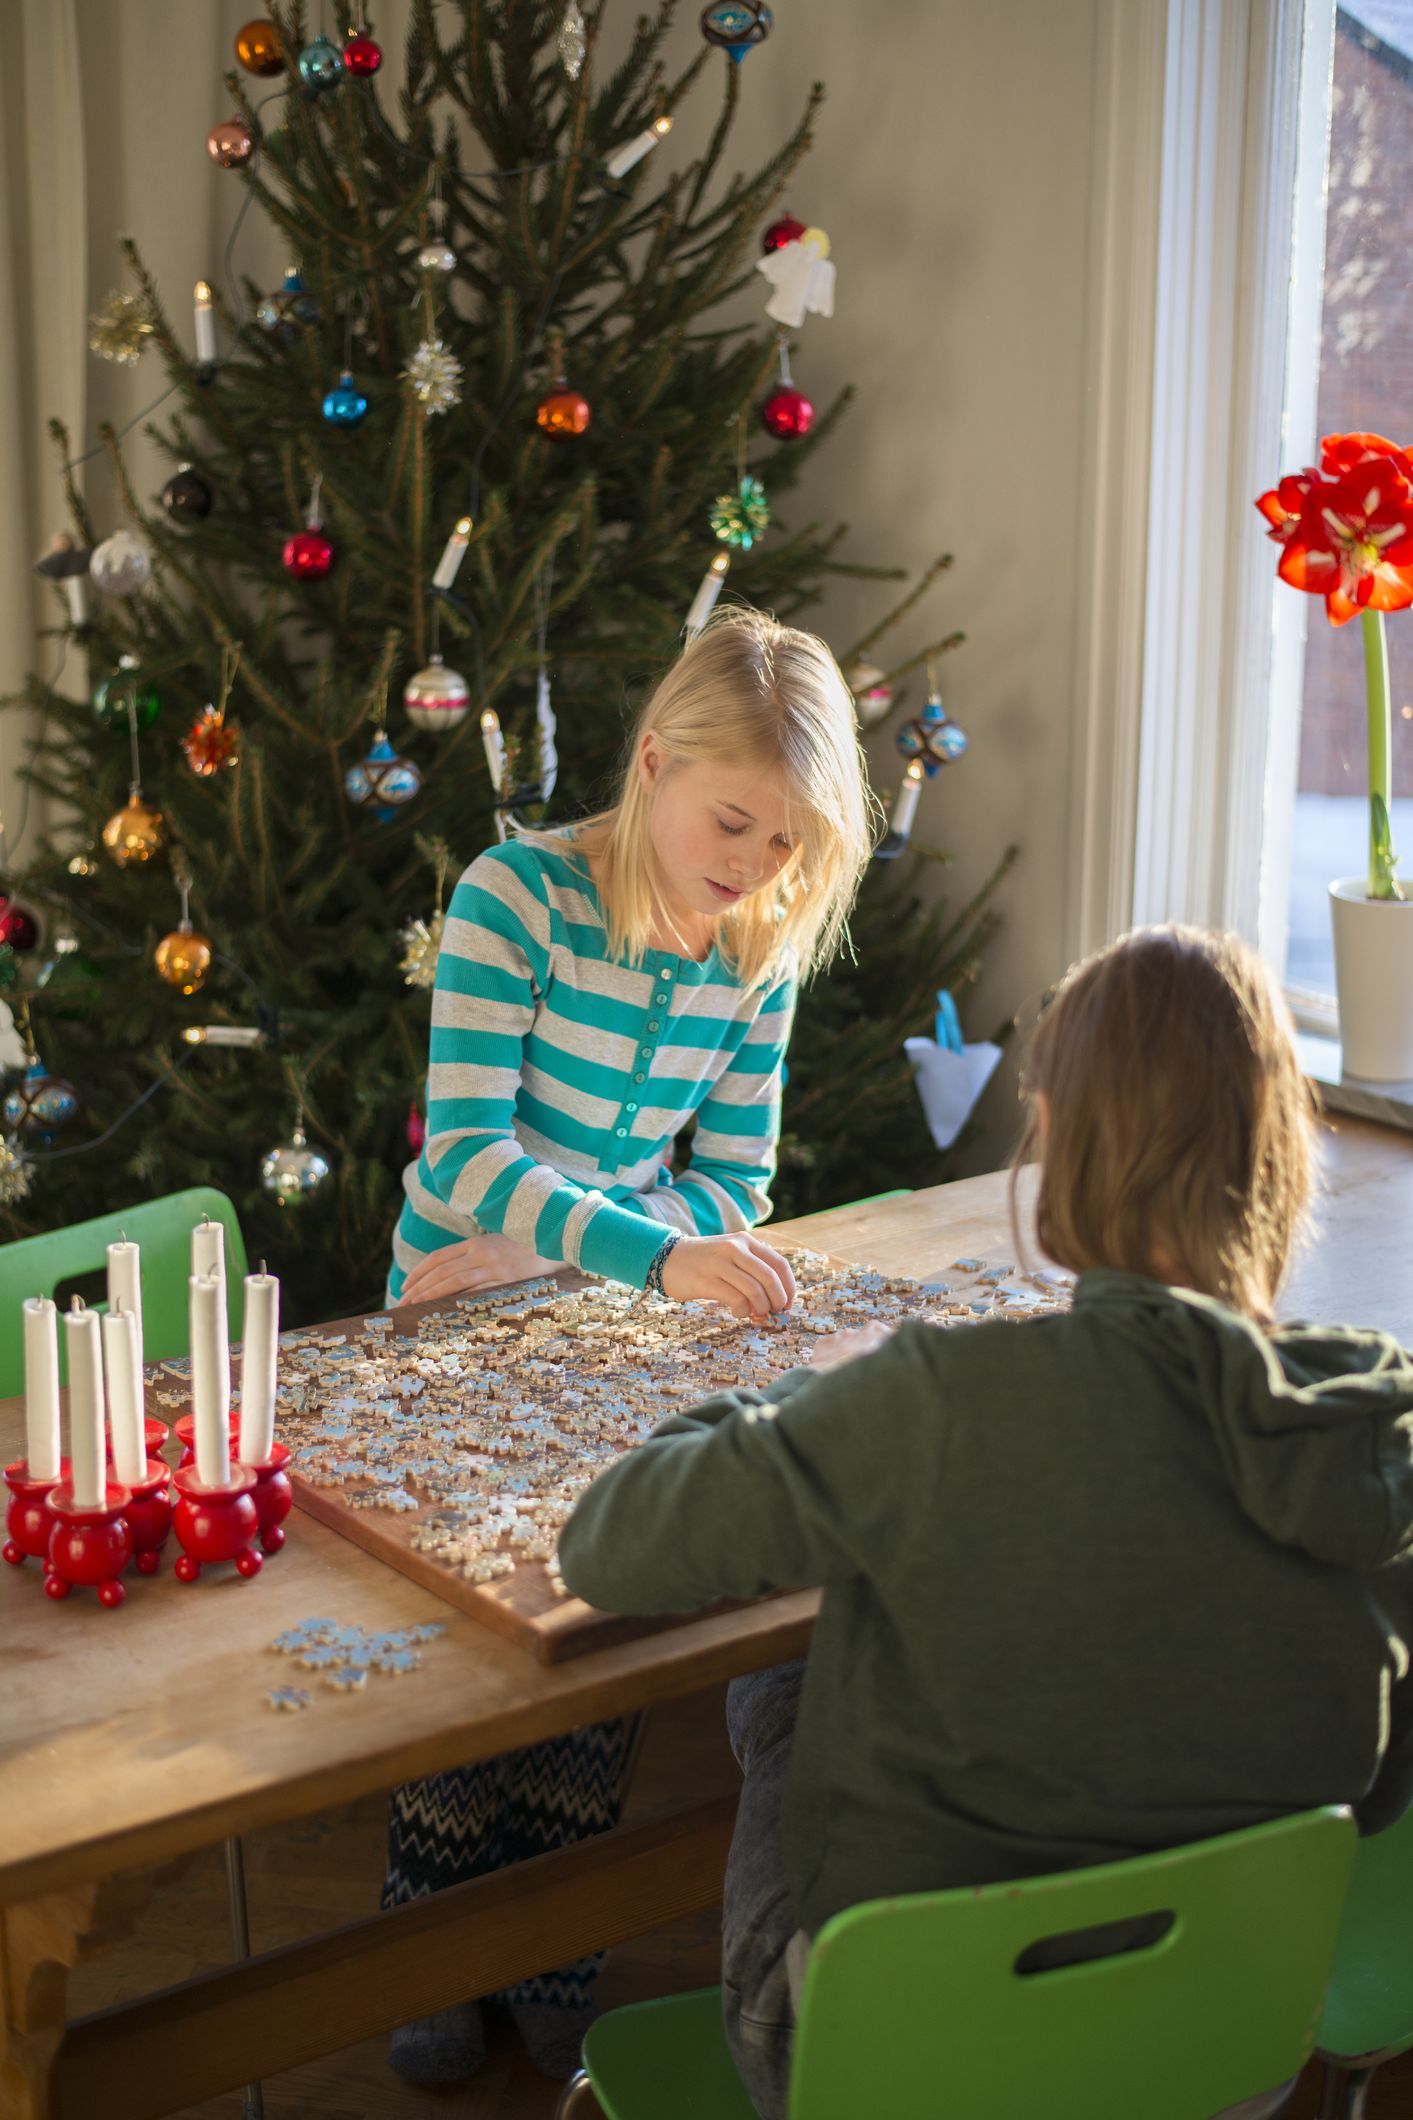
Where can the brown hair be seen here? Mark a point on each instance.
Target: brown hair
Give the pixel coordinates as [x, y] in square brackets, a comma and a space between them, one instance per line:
[1176, 1139]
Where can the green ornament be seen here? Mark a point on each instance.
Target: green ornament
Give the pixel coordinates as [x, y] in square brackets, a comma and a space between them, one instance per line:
[739, 518]
[110, 701]
[68, 979]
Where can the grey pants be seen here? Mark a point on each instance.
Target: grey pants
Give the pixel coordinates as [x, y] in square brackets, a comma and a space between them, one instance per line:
[763, 1947]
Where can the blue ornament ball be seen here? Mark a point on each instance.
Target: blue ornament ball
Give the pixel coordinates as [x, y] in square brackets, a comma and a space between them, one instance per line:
[321, 65]
[345, 405]
[736, 26]
[382, 780]
[933, 738]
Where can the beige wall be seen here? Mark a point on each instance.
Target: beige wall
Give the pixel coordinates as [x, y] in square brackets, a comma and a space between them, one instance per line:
[951, 172]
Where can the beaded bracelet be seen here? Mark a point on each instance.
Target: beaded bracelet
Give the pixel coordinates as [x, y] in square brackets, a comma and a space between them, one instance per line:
[653, 1285]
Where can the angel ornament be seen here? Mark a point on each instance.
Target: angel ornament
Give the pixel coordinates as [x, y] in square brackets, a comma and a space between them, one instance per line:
[802, 276]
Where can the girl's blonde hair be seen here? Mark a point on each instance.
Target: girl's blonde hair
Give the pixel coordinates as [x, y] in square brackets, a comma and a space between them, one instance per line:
[748, 692]
[1176, 1136]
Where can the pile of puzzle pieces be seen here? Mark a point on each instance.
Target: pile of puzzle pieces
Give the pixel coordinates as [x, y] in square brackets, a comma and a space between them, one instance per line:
[485, 1420]
[346, 1657]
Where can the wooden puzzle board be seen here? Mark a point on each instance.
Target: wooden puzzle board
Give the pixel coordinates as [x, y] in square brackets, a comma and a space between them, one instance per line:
[452, 1442]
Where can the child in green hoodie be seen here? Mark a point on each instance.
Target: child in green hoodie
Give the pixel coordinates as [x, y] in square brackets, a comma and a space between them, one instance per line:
[1095, 1583]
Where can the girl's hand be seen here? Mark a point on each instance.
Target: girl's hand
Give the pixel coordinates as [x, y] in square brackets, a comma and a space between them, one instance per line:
[741, 1273]
[840, 1347]
[482, 1261]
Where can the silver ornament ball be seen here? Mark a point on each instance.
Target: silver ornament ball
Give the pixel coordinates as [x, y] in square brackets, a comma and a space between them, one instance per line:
[436, 698]
[293, 1172]
[122, 564]
[437, 257]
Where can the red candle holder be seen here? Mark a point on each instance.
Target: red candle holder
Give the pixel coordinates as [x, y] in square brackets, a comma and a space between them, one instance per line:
[274, 1497]
[149, 1516]
[216, 1523]
[185, 1432]
[154, 1435]
[27, 1518]
[89, 1546]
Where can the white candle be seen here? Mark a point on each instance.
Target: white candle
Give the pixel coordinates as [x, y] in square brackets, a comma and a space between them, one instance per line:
[88, 1467]
[210, 1372]
[453, 553]
[905, 807]
[208, 1249]
[42, 1388]
[205, 324]
[125, 1285]
[257, 1369]
[123, 1368]
[619, 164]
[76, 590]
[708, 590]
[495, 746]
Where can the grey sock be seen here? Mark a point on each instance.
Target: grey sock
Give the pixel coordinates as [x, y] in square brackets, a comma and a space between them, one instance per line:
[554, 2035]
[446, 2047]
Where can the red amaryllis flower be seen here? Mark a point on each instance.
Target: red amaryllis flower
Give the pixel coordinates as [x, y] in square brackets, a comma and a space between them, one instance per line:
[1341, 452]
[1348, 538]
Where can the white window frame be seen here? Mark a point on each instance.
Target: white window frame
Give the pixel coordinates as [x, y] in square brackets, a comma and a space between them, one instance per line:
[1201, 198]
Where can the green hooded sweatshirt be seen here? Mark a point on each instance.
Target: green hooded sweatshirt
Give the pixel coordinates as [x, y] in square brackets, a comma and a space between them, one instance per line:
[1093, 1584]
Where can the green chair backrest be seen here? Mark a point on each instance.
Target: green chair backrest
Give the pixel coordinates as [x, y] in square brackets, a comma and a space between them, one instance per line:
[1369, 2007]
[916, 2006]
[50, 1264]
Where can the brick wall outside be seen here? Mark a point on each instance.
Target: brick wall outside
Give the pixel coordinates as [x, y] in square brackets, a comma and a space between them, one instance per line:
[1366, 382]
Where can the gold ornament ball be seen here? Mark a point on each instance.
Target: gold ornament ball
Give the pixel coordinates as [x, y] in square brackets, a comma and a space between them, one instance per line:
[258, 48]
[135, 833]
[184, 958]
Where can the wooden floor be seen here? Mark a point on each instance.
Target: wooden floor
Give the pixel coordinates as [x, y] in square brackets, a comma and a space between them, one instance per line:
[307, 1877]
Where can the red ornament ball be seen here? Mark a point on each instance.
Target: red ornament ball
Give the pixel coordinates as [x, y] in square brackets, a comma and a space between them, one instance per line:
[18, 926]
[361, 55]
[231, 143]
[787, 414]
[308, 556]
[563, 414]
[416, 1129]
[786, 230]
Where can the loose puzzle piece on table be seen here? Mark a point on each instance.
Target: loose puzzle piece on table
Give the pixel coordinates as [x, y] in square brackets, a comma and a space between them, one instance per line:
[486, 1419]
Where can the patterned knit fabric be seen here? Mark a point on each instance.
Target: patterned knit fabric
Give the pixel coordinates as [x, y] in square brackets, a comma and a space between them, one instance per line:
[455, 1826]
[559, 1078]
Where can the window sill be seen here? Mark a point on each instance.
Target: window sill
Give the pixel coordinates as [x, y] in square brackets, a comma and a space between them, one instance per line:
[1388, 1103]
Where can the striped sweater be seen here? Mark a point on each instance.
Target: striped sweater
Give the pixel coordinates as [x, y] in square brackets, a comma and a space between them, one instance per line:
[559, 1077]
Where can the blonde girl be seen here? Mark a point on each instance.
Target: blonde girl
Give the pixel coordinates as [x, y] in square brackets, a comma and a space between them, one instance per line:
[597, 989]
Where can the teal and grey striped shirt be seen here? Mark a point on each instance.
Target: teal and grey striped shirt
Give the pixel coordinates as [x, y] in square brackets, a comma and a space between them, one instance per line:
[559, 1078]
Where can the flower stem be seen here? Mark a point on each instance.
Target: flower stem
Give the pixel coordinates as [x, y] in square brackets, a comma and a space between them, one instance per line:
[1383, 862]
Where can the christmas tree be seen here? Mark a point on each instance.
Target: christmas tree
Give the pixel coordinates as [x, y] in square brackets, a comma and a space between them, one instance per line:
[461, 480]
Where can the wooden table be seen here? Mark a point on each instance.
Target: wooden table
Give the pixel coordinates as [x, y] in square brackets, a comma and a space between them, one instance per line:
[128, 1740]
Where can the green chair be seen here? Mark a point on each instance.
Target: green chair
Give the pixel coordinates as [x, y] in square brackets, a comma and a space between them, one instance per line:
[921, 2006]
[1369, 2008]
[60, 1258]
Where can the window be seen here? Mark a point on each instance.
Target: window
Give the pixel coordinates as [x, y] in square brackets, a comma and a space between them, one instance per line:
[1364, 381]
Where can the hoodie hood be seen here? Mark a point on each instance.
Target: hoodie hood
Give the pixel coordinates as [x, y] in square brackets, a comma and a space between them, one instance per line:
[1314, 1424]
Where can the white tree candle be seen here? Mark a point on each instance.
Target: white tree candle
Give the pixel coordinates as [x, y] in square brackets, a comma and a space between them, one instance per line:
[905, 807]
[88, 1474]
[123, 1370]
[708, 590]
[258, 1367]
[453, 553]
[643, 143]
[76, 590]
[42, 1388]
[494, 744]
[125, 1285]
[208, 1249]
[210, 1380]
[205, 324]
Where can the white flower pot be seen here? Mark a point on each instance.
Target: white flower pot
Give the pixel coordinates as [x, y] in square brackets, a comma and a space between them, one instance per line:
[1373, 949]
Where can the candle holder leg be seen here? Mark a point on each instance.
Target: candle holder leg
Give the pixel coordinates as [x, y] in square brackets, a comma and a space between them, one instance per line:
[216, 1523]
[90, 1544]
[27, 1517]
[149, 1516]
[274, 1497]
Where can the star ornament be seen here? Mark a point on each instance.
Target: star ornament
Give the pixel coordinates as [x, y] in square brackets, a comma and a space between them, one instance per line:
[434, 374]
[119, 331]
[421, 940]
